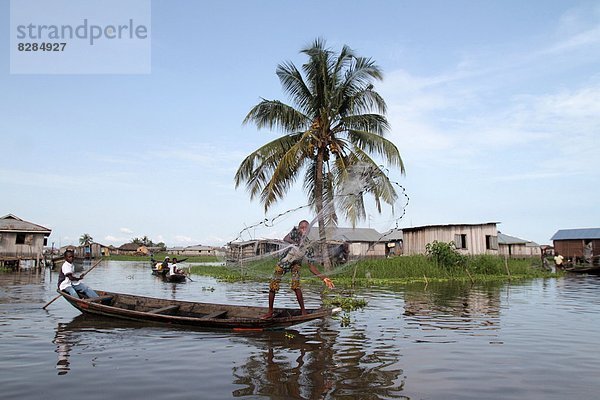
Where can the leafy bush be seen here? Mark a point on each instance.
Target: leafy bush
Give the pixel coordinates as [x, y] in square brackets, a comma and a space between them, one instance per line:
[445, 254]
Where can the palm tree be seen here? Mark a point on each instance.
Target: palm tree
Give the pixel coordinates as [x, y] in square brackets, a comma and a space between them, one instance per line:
[336, 122]
[85, 239]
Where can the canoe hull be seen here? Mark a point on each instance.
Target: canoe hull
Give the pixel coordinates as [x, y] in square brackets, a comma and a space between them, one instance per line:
[185, 313]
[164, 274]
[589, 269]
[175, 278]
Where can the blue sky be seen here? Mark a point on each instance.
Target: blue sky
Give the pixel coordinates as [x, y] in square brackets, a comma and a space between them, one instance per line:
[493, 105]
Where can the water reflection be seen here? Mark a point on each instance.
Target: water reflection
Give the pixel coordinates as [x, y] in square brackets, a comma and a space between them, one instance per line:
[452, 306]
[322, 364]
[21, 286]
[70, 335]
[288, 364]
[366, 366]
[63, 343]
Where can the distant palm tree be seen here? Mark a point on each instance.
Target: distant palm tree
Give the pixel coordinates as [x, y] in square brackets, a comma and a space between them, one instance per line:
[85, 239]
[335, 124]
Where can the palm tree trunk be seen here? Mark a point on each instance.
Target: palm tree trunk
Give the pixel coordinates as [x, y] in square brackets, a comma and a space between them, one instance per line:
[319, 208]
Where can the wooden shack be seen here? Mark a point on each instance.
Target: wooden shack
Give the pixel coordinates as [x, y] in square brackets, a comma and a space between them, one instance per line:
[21, 242]
[577, 244]
[469, 239]
[394, 242]
[197, 250]
[92, 250]
[251, 249]
[514, 247]
[361, 242]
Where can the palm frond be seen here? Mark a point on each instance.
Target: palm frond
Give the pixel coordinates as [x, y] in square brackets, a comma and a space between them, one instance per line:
[273, 114]
[257, 168]
[293, 84]
[377, 144]
[373, 123]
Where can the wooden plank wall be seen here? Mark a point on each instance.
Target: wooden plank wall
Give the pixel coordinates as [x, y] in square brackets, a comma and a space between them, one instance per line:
[415, 241]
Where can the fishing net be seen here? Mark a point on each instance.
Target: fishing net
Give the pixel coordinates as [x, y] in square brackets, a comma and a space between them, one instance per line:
[259, 246]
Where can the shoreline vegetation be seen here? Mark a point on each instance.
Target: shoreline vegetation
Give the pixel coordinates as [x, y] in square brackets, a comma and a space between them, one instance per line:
[444, 267]
[399, 270]
[388, 271]
[395, 270]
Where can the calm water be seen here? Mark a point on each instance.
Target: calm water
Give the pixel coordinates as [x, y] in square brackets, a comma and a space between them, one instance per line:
[534, 340]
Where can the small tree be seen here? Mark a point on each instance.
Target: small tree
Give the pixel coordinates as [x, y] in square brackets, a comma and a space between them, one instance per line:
[445, 254]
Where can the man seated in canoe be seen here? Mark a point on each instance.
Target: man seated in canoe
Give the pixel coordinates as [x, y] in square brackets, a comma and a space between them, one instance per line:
[69, 283]
[291, 262]
[173, 270]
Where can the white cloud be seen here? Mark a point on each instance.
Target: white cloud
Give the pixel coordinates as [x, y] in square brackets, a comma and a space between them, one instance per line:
[431, 128]
[183, 239]
[115, 239]
[125, 230]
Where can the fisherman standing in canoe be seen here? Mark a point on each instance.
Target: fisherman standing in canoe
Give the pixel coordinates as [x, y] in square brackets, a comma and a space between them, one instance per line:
[291, 262]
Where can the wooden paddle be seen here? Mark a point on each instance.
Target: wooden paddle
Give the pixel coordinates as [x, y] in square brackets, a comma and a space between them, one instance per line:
[80, 276]
[188, 276]
[186, 272]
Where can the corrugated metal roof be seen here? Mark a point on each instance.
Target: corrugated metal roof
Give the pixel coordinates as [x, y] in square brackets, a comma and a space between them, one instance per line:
[12, 223]
[415, 228]
[394, 234]
[198, 248]
[585, 233]
[255, 241]
[506, 239]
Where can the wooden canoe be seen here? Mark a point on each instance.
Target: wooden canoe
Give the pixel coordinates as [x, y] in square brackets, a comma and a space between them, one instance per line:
[584, 269]
[202, 315]
[178, 278]
[160, 272]
[153, 262]
[164, 274]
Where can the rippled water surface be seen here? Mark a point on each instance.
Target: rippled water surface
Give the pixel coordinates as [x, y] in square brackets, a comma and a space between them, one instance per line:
[528, 340]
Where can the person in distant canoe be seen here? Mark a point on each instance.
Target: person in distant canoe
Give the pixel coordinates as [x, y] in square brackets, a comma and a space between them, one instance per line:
[588, 252]
[173, 270]
[163, 265]
[291, 262]
[558, 260]
[69, 283]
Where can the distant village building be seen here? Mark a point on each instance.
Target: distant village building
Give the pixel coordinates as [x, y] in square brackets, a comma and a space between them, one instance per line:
[92, 250]
[514, 247]
[244, 250]
[577, 244]
[131, 249]
[469, 239]
[197, 250]
[361, 242]
[343, 243]
[21, 242]
[394, 240]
